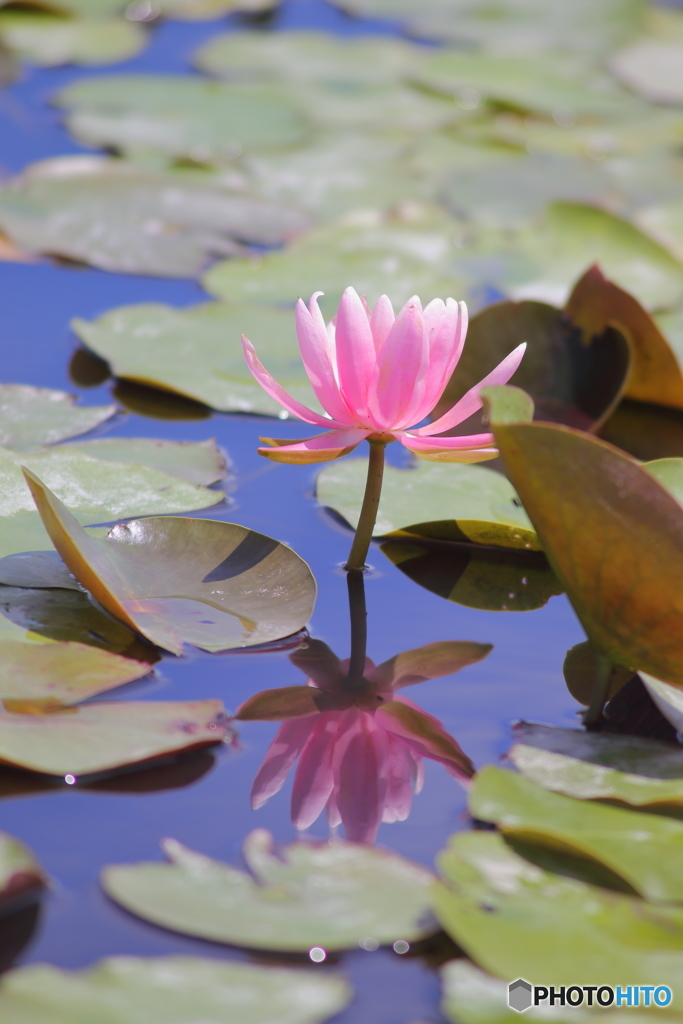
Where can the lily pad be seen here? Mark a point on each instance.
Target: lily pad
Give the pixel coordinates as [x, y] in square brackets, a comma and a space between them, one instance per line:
[570, 380]
[199, 463]
[454, 502]
[516, 920]
[643, 849]
[198, 10]
[180, 116]
[173, 989]
[20, 872]
[102, 737]
[473, 575]
[580, 669]
[653, 68]
[51, 41]
[201, 581]
[137, 220]
[197, 352]
[573, 777]
[31, 416]
[331, 895]
[611, 532]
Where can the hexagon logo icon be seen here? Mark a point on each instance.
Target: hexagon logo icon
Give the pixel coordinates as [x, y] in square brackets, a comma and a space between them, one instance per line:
[519, 995]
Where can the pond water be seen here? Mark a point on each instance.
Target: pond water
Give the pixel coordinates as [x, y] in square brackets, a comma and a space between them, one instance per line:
[204, 800]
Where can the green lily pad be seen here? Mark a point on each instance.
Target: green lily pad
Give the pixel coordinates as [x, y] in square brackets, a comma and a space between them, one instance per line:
[199, 462]
[36, 569]
[9, 68]
[197, 352]
[516, 920]
[611, 532]
[453, 502]
[581, 667]
[201, 581]
[653, 68]
[173, 989]
[573, 777]
[20, 872]
[137, 220]
[102, 737]
[331, 895]
[569, 380]
[199, 10]
[179, 116]
[643, 849]
[50, 41]
[665, 224]
[473, 575]
[31, 416]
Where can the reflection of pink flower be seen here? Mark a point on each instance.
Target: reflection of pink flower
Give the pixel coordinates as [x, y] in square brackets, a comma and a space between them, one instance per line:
[361, 763]
[377, 375]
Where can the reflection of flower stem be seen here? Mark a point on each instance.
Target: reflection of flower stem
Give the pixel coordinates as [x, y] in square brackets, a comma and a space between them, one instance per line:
[359, 627]
[368, 513]
[593, 717]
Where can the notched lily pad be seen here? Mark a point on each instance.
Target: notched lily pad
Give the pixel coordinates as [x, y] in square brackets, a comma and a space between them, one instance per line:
[50, 41]
[103, 737]
[475, 576]
[173, 989]
[212, 584]
[331, 895]
[580, 669]
[30, 416]
[201, 462]
[20, 873]
[454, 502]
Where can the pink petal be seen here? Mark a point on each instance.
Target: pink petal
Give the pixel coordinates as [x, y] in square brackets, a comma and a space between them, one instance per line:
[333, 815]
[399, 770]
[282, 753]
[471, 402]
[313, 780]
[399, 379]
[381, 321]
[447, 340]
[359, 790]
[315, 353]
[434, 742]
[322, 448]
[276, 391]
[425, 444]
[355, 353]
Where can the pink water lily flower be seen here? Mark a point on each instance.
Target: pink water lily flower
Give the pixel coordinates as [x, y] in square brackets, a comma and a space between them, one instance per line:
[377, 375]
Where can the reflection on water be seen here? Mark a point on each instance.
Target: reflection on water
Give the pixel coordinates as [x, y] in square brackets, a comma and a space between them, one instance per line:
[359, 746]
[16, 931]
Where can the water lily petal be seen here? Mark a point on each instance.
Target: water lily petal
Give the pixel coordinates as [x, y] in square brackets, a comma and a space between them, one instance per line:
[402, 364]
[314, 345]
[313, 782]
[359, 781]
[425, 735]
[381, 321]
[426, 444]
[289, 741]
[464, 455]
[399, 771]
[355, 353]
[471, 402]
[276, 391]
[446, 342]
[321, 448]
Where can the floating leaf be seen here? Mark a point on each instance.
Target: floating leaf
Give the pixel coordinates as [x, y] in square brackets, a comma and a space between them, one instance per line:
[518, 921]
[49, 41]
[580, 669]
[611, 532]
[573, 777]
[31, 416]
[454, 502]
[36, 569]
[645, 431]
[332, 895]
[197, 352]
[179, 116]
[194, 462]
[103, 737]
[173, 989]
[643, 849]
[570, 380]
[474, 576]
[136, 220]
[212, 584]
[198, 10]
[665, 224]
[9, 69]
[653, 68]
[20, 872]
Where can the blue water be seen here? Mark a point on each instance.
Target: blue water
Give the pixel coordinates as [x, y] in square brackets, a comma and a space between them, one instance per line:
[76, 831]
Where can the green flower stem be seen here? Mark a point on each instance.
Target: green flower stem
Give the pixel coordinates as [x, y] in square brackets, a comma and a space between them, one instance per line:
[593, 717]
[368, 513]
[359, 628]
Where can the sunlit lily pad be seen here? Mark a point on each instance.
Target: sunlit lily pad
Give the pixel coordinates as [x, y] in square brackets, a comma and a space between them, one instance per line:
[201, 581]
[197, 352]
[173, 989]
[332, 895]
[198, 10]
[101, 737]
[454, 502]
[20, 872]
[194, 462]
[50, 41]
[137, 220]
[31, 416]
[516, 920]
[179, 115]
[474, 575]
[643, 849]
[573, 777]
[612, 533]
[653, 68]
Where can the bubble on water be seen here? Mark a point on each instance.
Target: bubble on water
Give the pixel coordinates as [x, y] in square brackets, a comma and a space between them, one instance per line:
[70, 780]
[317, 954]
[401, 946]
[369, 944]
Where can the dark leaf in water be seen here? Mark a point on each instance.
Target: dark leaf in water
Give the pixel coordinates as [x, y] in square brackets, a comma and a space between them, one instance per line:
[645, 431]
[42, 569]
[20, 873]
[157, 404]
[212, 584]
[581, 667]
[87, 370]
[16, 931]
[476, 576]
